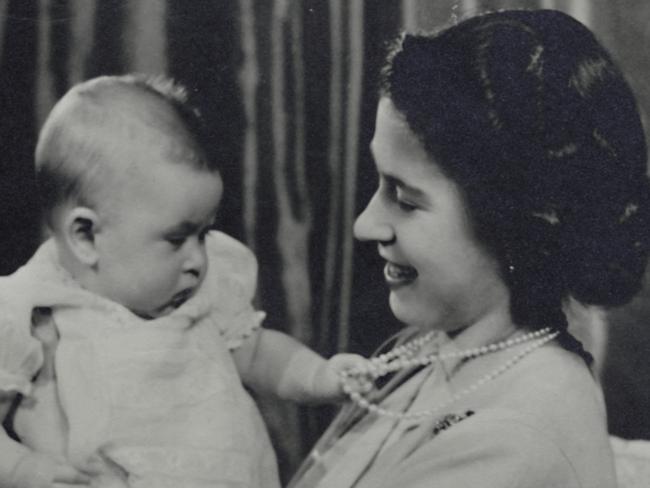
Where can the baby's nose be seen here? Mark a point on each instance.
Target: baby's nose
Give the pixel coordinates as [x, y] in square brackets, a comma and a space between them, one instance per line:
[196, 260]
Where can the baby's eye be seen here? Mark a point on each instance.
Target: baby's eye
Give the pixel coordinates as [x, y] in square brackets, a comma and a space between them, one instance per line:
[176, 241]
[203, 233]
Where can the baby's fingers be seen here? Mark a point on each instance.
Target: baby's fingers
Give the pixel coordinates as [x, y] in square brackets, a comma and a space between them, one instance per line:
[354, 372]
[346, 362]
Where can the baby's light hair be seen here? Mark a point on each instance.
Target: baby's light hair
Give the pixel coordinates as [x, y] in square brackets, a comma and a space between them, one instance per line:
[74, 146]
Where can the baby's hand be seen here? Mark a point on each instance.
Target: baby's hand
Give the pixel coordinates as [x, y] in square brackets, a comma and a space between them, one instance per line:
[340, 367]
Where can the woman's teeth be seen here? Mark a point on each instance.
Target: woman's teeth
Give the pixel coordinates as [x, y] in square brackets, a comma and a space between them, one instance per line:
[396, 274]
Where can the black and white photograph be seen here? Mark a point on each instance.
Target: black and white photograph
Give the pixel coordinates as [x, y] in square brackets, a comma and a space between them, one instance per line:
[324, 243]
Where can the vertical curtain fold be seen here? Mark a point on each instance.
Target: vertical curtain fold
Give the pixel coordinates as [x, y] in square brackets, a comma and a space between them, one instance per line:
[3, 22]
[335, 133]
[293, 228]
[82, 30]
[350, 165]
[45, 96]
[248, 82]
[107, 52]
[145, 36]
[409, 14]
[470, 6]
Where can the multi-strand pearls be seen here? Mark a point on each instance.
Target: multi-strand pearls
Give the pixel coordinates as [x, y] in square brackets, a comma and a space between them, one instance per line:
[402, 358]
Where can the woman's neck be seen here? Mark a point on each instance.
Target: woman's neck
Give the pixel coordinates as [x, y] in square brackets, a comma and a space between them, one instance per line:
[493, 326]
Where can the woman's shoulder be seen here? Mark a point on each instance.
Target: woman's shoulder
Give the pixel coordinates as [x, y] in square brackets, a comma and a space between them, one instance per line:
[566, 444]
[551, 408]
[553, 382]
[551, 391]
[541, 423]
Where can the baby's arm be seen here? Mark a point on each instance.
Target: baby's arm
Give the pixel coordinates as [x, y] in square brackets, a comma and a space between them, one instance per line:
[266, 359]
[275, 362]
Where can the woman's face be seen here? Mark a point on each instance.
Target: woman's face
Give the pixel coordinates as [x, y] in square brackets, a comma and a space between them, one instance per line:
[439, 276]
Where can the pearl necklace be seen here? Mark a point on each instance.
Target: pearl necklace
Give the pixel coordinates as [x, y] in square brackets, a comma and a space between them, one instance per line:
[400, 358]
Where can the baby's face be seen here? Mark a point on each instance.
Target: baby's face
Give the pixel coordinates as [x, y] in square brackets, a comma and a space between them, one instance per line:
[151, 250]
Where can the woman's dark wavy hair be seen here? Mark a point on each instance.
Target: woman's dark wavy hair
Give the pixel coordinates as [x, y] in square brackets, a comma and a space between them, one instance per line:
[528, 114]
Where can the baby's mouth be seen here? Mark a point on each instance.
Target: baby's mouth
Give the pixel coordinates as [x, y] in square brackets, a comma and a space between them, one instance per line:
[181, 297]
[398, 274]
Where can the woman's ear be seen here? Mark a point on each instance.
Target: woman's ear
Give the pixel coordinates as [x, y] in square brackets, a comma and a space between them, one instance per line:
[80, 228]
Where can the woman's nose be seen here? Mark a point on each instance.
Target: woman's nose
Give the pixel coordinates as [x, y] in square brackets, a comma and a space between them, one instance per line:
[372, 224]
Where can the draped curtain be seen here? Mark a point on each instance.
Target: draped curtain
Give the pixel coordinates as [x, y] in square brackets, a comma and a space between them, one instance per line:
[288, 88]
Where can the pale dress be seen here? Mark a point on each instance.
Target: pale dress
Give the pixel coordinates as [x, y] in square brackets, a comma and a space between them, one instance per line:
[540, 423]
[155, 403]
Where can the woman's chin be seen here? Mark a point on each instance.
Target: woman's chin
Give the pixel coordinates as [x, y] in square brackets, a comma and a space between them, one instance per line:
[412, 312]
[408, 313]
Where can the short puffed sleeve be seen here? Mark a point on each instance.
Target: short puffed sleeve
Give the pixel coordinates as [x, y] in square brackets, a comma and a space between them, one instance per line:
[231, 283]
[21, 354]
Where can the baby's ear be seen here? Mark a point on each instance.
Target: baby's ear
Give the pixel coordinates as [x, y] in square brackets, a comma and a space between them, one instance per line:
[80, 226]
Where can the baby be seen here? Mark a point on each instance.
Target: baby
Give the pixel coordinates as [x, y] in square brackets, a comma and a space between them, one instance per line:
[130, 331]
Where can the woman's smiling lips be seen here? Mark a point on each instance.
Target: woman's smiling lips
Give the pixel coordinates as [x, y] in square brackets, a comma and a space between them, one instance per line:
[399, 274]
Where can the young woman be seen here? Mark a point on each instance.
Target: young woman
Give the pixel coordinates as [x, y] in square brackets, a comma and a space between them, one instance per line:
[512, 187]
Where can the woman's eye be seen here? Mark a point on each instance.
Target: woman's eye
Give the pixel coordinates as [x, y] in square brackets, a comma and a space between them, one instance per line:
[402, 202]
[406, 206]
[394, 194]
